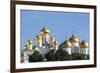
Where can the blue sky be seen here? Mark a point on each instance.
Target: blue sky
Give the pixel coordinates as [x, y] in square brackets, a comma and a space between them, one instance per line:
[61, 24]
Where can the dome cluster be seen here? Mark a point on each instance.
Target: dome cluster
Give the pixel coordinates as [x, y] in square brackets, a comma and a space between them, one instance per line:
[44, 42]
[72, 40]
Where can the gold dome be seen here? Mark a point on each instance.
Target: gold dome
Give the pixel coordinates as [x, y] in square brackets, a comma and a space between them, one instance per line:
[84, 44]
[38, 37]
[42, 33]
[53, 39]
[73, 39]
[55, 42]
[67, 44]
[28, 42]
[45, 30]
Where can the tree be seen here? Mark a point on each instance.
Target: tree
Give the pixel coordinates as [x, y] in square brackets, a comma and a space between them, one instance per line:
[78, 56]
[50, 56]
[36, 57]
[62, 55]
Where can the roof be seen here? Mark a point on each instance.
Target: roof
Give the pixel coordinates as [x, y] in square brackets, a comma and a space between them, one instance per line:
[73, 38]
[84, 44]
[45, 30]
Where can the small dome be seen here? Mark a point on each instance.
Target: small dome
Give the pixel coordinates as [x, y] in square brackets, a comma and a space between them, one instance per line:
[55, 42]
[73, 39]
[29, 42]
[38, 37]
[41, 33]
[84, 44]
[67, 44]
[53, 39]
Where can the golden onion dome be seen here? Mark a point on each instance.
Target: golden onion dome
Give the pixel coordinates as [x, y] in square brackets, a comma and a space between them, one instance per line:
[41, 33]
[45, 30]
[29, 42]
[73, 39]
[53, 39]
[84, 44]
[67, 44]
[55, 42]
[38, 37]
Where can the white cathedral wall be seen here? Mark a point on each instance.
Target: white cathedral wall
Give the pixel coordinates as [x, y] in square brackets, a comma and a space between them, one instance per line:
[42, 50]
[43, 41]
[84, 50]
[40, 43]
[26, 56]
[30, 46]
[75, 48]
[47, 38]
[67, 50]
[56, 47]
[45, 50]
[76, 44]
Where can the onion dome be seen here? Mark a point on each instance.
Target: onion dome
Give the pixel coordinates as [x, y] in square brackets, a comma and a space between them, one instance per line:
[42, 33]
[67, 44]
[53, 39]
[55, 42]
[26, 47]
[84, 44]
[73, 39]
[29, 42]
[45, 30]
[38, 37]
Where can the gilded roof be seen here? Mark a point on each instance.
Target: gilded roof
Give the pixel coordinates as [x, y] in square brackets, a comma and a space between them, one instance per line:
[29, 42]
[67, 44]
[73, 38]
[84, 44]
[45, 30]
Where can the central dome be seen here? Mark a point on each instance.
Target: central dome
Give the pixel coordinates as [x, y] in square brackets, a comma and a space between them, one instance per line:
[73, 39]
[45, 30]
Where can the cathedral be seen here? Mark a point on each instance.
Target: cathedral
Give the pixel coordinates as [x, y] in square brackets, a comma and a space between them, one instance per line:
[44, 42]
[73, 45]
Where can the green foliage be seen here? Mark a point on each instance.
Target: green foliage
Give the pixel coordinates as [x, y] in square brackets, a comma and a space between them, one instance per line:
[62, 55]
[78, 56]
[57, 55]
[50, 56]
[36, 57]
